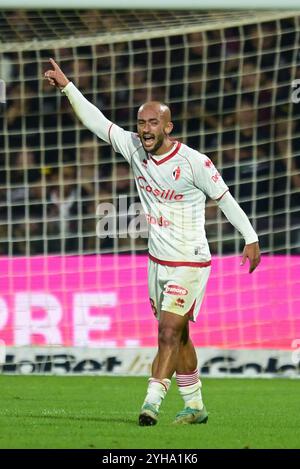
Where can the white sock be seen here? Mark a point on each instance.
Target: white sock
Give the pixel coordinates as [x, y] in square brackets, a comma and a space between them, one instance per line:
[156, 392]
[189, 386]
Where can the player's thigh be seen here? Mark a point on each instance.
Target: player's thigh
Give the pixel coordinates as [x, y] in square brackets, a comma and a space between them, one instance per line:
[184, 290]
[174, 323]
[154, 288]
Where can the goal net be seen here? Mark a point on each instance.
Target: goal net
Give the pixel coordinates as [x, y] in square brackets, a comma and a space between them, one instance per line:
[73, 298]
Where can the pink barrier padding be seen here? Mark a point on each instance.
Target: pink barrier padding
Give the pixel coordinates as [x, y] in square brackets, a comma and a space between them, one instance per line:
[102, 301]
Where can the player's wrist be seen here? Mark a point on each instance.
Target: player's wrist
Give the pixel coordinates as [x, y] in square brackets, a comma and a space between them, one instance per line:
[251, 239]
[64, 86]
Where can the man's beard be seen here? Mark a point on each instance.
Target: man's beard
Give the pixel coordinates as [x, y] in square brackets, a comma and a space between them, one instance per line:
[157, 146]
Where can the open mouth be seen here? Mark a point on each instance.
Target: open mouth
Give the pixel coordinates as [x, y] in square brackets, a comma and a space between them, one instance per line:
[148, 140]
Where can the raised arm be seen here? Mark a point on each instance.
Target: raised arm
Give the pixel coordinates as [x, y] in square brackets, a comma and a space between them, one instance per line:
[90, 116]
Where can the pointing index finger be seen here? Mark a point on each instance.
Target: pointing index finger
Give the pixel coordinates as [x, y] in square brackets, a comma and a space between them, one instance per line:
[53, 63]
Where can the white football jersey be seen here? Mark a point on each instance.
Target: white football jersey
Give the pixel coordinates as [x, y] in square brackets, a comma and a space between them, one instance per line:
[172, 188]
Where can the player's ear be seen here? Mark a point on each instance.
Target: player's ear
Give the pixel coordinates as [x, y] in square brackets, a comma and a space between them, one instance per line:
[169, 128]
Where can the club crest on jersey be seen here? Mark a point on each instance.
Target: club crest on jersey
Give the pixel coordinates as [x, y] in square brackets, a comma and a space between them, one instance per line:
[176, 173]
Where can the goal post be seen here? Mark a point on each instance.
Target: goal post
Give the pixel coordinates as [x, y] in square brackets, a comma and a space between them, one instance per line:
[73, 245]
[155, 4]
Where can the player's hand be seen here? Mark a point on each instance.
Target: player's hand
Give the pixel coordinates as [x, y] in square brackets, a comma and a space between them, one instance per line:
[251, 252]
[56, 77]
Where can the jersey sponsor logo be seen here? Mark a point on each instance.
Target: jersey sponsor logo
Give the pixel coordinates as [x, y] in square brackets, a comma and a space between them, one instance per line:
[176, 173]
[160, 221]
[168, 194]
[216, 177]
[208, 163]
[175, 290]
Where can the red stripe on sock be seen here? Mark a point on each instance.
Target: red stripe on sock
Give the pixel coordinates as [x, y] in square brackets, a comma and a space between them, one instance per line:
[187, 379]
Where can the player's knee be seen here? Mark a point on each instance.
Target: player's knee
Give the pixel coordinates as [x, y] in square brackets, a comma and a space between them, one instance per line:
[168, 335]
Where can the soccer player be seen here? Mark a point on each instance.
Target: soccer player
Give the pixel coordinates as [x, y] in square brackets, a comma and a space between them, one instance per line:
[172, 181]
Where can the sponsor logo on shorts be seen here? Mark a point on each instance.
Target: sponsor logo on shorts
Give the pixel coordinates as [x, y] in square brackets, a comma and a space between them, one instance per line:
[180, 302]
[175, 290]
[154, 310]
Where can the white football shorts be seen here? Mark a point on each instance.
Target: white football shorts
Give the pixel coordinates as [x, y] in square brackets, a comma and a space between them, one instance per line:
[178, 290]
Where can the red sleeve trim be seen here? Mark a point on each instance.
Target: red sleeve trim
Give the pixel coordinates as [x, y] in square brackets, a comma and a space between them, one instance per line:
[219, 198]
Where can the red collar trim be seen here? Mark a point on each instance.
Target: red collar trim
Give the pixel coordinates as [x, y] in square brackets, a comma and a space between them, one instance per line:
[176, 149]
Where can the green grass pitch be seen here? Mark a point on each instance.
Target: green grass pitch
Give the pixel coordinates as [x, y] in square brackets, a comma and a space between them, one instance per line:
[101, 412]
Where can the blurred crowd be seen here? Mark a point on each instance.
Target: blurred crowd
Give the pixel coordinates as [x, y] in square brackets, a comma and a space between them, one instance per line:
[230, 92]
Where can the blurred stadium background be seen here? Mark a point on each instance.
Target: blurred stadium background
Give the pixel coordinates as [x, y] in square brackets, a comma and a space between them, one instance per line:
[71, 302]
